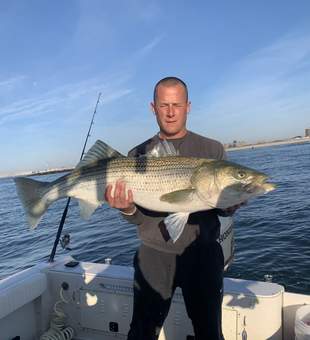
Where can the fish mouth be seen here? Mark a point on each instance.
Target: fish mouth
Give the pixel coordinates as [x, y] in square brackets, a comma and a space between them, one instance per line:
[259, 187]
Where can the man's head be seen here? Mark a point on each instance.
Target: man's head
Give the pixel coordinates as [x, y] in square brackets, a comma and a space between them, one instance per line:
[170, 82]
[171, 107]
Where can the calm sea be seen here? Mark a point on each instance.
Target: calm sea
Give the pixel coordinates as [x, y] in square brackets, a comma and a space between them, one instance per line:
[272, 233]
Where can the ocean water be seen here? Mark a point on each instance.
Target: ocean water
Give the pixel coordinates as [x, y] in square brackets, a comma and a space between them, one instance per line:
[272, 232]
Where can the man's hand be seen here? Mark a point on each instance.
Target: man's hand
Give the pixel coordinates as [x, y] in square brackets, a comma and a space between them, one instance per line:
[119, 200]
[235, 207]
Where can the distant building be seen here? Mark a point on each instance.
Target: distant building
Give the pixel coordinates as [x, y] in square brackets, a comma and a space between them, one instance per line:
[307, 132]
[235, 144]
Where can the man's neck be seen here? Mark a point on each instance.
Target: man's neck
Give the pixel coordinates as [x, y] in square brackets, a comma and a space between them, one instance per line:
[162, 136]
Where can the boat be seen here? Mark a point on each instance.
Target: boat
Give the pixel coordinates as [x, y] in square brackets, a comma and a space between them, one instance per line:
[67, 299]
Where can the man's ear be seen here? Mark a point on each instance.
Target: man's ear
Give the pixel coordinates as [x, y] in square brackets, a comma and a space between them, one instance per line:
[153, 108]
[188, 107]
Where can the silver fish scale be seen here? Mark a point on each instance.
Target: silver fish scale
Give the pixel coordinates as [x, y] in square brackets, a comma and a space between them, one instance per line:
[148, 178]
[158, 175]
[142, 175]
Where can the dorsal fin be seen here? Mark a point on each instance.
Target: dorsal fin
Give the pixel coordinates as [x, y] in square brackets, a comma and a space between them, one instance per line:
[162, 149]
[98, 151]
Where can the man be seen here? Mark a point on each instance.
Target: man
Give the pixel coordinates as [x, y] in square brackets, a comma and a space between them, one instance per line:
[195, 261]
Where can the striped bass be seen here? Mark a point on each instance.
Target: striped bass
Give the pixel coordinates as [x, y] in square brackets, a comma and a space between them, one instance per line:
[174, 184]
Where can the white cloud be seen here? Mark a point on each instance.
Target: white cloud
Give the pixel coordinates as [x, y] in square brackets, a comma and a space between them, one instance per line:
[267, 88]
[36, 127]
[149, 47]
[26, 109]
[11, 83]
[116, 95]
[267, 76]
[64, 98]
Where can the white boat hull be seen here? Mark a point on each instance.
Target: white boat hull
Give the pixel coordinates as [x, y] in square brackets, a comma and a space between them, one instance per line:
[100, 304]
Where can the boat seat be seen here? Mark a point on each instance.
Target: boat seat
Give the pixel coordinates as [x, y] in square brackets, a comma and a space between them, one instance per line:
[20, 289]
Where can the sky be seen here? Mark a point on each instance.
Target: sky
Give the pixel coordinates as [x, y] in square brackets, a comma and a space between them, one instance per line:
[246, 65]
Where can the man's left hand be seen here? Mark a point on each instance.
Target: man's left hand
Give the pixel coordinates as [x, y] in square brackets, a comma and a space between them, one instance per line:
[234, 207]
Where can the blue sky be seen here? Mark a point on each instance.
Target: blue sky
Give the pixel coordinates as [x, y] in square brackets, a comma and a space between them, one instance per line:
[246, 64]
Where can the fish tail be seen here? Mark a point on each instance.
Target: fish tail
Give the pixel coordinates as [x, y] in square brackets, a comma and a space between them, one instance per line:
[29, 193]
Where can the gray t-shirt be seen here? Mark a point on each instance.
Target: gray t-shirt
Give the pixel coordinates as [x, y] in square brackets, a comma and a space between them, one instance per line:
[202, 227]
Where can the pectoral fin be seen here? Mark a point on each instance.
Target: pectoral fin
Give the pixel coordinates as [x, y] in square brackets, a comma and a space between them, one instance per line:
[175, 224]
[183, 196]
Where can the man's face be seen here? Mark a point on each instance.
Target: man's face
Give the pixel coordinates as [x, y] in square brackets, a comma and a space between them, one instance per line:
[171, 109]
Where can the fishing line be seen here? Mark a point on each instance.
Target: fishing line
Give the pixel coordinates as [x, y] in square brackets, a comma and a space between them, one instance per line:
[118, 214]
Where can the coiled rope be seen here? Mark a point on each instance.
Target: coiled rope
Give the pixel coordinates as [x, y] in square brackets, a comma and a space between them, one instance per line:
[57, 330]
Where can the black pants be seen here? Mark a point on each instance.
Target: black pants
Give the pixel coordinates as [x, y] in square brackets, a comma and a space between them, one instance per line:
[198, 272]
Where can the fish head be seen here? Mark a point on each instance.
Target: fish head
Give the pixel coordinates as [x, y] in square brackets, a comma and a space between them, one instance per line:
[225, 183]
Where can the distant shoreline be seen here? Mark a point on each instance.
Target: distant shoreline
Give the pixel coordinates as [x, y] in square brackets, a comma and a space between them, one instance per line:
[265, 145]
[36, 173]
[236, 148]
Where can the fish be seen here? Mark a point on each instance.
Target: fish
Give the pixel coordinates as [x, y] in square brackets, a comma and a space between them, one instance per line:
[161, 181]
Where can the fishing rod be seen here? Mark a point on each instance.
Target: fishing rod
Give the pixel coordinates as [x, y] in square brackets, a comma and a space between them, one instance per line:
[66, 238]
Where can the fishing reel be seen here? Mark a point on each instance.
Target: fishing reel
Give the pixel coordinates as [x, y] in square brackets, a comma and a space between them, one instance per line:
[64, 242]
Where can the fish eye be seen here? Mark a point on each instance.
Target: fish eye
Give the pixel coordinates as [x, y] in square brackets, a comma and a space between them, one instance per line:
[241, 174]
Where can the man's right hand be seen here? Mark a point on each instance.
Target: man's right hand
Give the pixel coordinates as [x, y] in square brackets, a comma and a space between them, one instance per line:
[119, 199]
